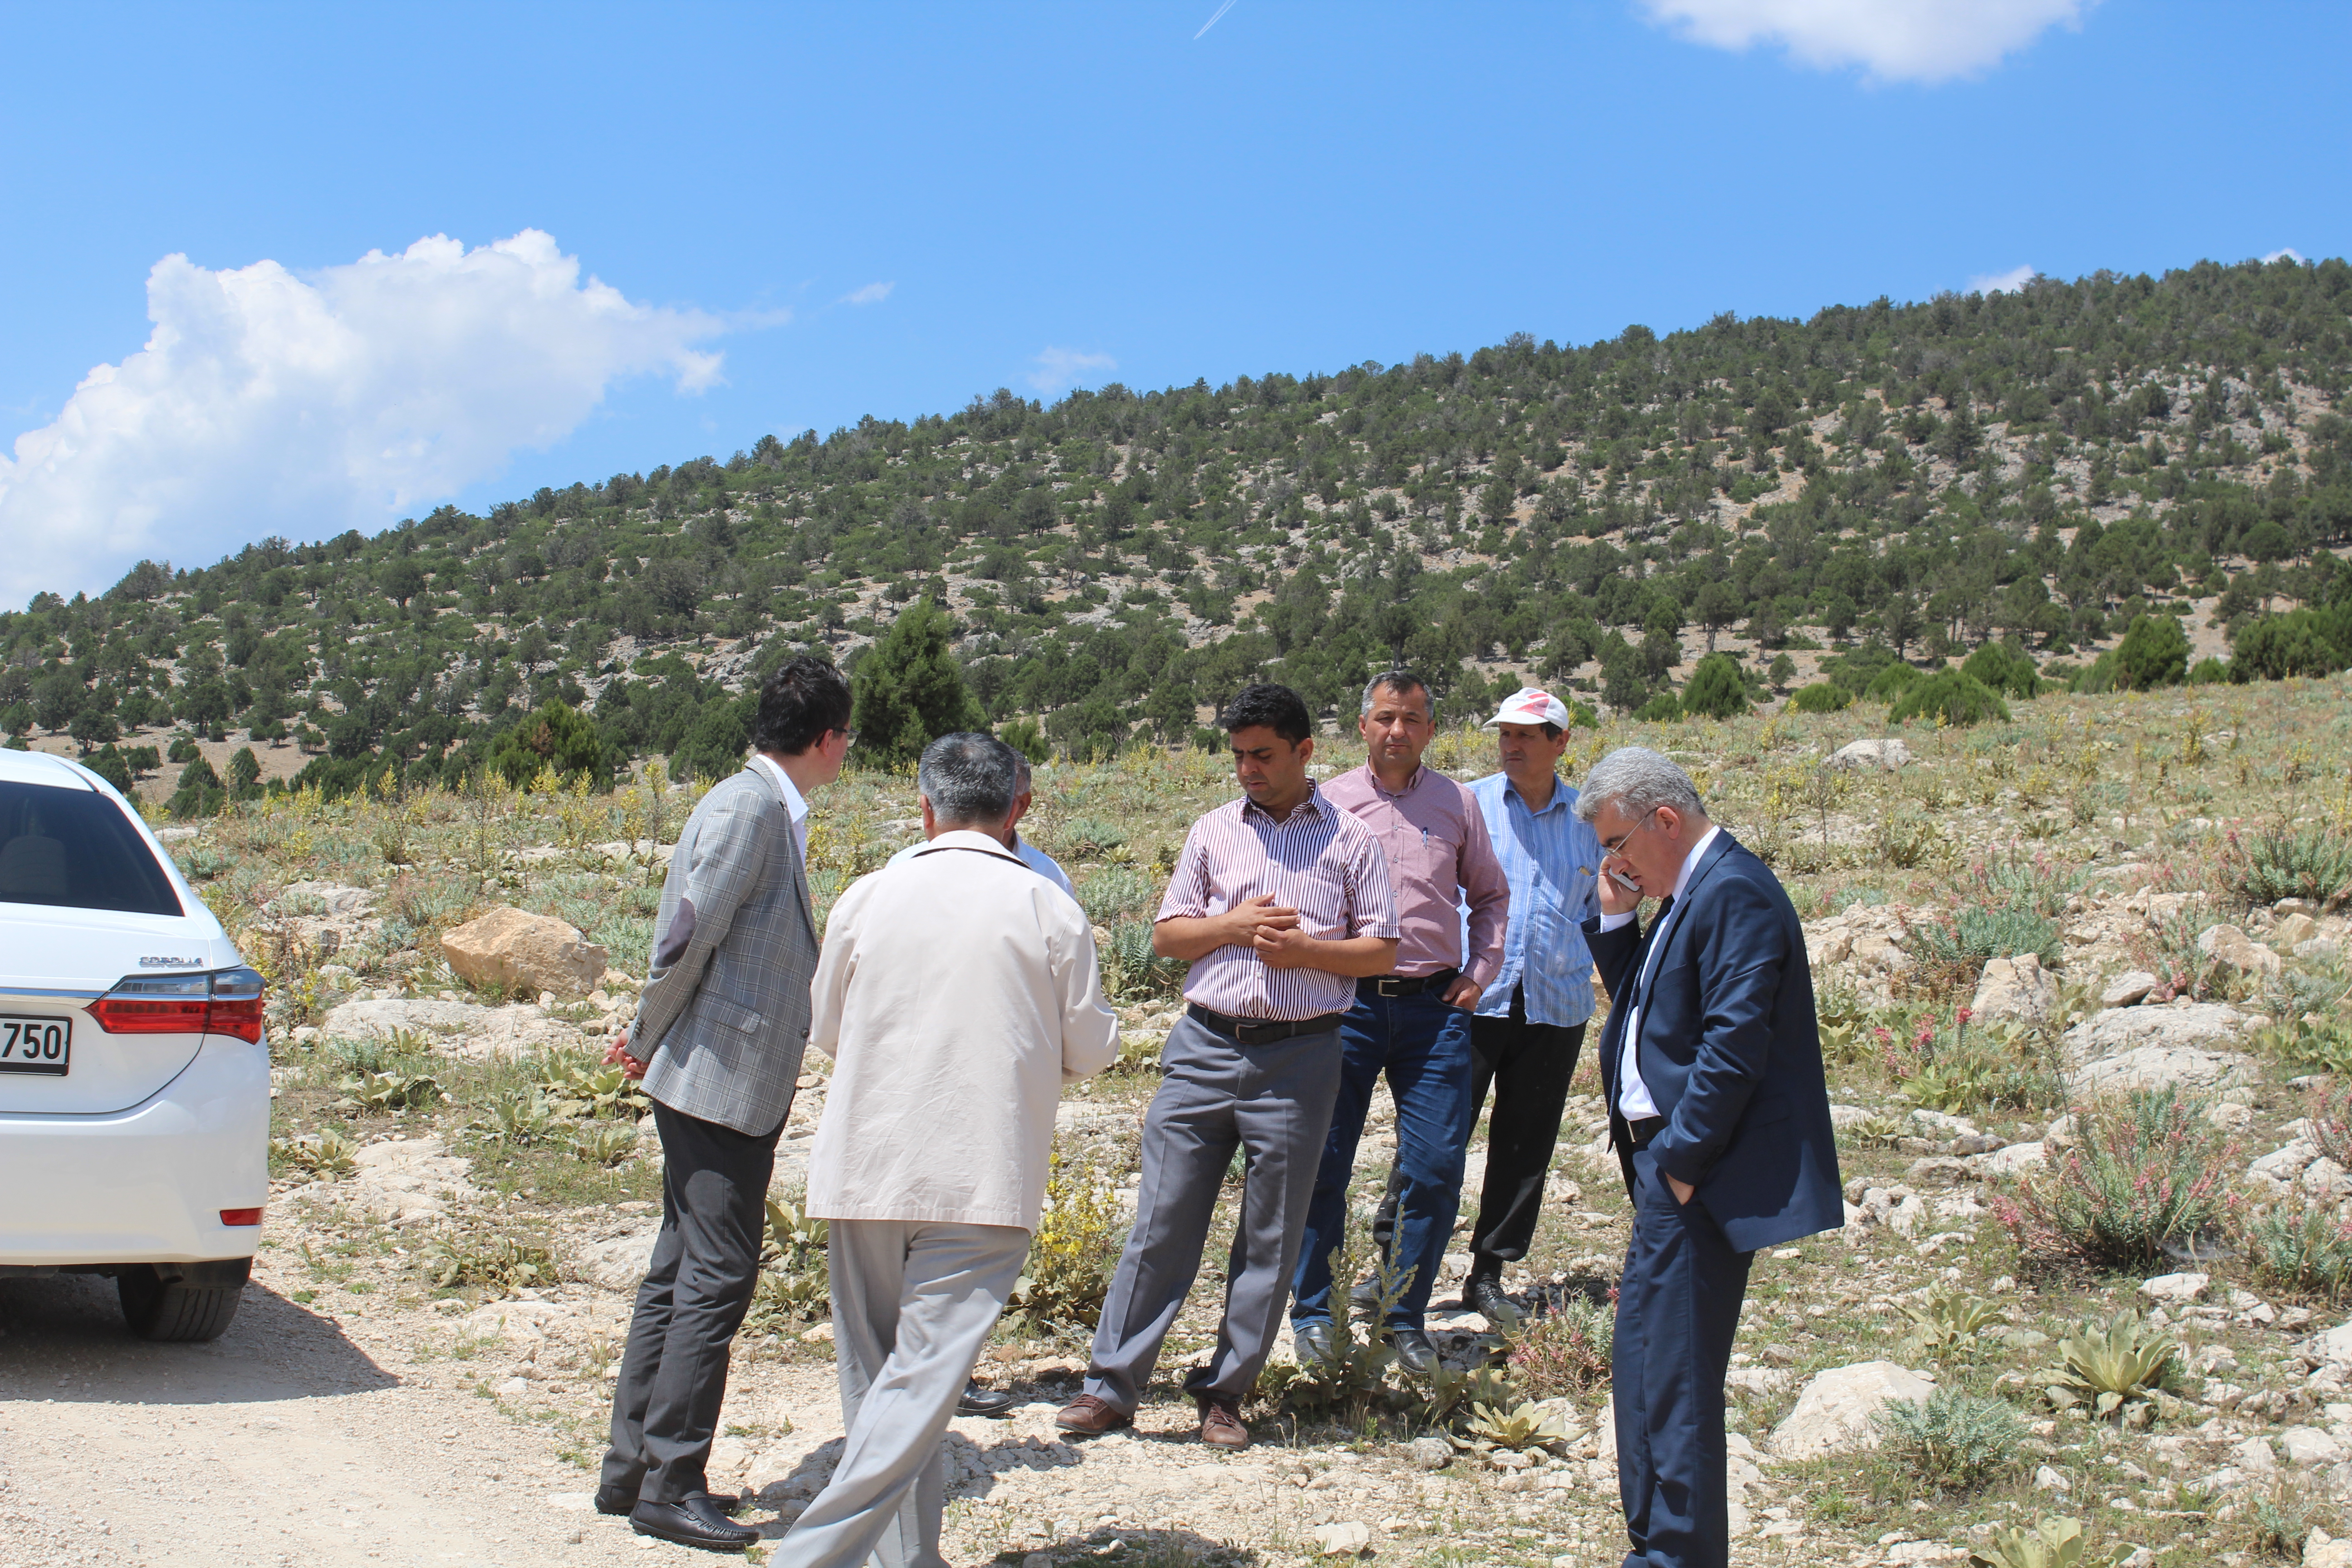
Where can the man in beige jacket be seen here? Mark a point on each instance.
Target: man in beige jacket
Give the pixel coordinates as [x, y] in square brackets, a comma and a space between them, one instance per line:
[957, 993]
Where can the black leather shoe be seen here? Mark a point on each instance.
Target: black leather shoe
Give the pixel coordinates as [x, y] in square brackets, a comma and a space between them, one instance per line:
[1413, 1351]
[1312, 1339]
[614, 1501]
[1366, 1300]
[978, 1401]
[694, 1520]
[1484, 1295]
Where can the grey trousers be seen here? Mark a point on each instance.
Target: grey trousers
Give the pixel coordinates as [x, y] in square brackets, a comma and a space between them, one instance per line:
[912, 1305]
[1275, 1102]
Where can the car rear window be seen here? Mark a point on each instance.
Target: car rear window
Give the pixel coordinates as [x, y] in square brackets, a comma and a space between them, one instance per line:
[74, 847]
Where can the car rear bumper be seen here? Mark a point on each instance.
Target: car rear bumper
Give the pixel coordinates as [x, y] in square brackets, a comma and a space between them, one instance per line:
[146, 1184]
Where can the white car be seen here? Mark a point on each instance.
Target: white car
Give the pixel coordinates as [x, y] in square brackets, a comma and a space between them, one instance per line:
[134, 1072]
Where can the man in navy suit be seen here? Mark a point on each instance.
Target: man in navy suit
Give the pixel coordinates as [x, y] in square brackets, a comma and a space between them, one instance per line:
[1711, 1063]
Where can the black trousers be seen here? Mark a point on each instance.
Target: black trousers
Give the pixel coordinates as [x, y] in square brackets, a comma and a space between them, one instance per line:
[705, 1264]
[1530, 1067]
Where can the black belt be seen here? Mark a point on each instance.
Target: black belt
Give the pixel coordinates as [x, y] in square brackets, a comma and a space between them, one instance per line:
[1414, 985]
[1259, 1031]
[1641, 1133]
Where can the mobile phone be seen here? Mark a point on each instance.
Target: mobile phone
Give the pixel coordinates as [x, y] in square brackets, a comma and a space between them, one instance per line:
[1623, 882]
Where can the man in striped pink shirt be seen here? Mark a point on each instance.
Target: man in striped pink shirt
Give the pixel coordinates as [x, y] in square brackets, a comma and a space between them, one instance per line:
[1281, 902]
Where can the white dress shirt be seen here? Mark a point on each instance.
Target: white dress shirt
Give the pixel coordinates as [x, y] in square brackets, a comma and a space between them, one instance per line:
[793, 805]
[1634, 1101]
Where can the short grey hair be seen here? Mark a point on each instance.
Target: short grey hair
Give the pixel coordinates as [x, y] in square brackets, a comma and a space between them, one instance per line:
[1637, 781]
[968, 778]
[1404, 683]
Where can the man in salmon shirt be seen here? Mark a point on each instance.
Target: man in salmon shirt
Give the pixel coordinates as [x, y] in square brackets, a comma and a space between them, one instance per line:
[1413, 1024]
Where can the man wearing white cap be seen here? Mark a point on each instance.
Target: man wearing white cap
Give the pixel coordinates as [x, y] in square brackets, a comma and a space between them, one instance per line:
[1531, 1020]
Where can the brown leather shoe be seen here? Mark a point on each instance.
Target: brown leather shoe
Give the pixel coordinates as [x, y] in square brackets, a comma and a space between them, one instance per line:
[1221, 1422]
[1090, 1417]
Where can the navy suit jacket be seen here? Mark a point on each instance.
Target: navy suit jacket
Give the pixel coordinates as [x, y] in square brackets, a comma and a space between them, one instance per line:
[1730, 1052]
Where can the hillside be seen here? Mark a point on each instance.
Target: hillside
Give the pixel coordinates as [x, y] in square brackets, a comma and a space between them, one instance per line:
[1911, 482]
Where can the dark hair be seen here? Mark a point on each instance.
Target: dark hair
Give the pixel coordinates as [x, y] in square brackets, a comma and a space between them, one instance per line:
[968, 777]
[1404, 683]
[802, 701]
[1275, 708]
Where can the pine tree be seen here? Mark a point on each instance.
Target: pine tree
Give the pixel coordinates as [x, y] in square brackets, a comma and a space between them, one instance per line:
[1716, 689]
[907, 691]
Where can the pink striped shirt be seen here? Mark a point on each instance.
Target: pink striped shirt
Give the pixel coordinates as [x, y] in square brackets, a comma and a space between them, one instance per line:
[1322, 862]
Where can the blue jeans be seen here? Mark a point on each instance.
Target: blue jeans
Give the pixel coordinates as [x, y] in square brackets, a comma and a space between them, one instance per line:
[1424, 1046]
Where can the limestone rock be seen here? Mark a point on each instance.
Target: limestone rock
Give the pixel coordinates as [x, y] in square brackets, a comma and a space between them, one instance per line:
[617, 1257]
[1880, 954]
[1885, 756]
[408, 1181]
[2013, 1161]
[2128, 989]
[2335, 1346]
[2320, 1551]
[2175, 1289]
[2228, 944]
[2117, 1029]
[2310, 1445]
[457, 1029]
[2016, 988]
[1832, 1414]
[2294, 931]
[2320, 950]
[511, 949]
[518, 1322]
[1432, 1453]
[2156, 1067]
[1349, 1538]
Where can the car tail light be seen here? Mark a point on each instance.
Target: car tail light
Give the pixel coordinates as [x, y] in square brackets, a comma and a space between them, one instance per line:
[227, 1002]
[240, 1217]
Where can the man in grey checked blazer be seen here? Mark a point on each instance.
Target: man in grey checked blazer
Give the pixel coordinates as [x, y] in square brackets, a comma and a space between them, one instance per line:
[717, 1036]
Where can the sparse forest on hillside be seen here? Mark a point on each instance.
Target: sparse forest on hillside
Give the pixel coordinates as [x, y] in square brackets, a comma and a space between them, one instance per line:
[2076, 482]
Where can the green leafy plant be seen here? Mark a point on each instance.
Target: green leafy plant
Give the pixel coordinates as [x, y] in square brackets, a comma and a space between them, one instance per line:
[501, 1262]
[1952, 1440]
[383, 1093]
[604, 1143]
[2121, 1370]
[2298, 1250]
[1452, 1391]
[1088, 839]
[2046, 1544]
[520, 1117]
[583, 1090]
[1564, 1351]
[1131, 970]
[1072, 1252]
[795, 1276]
[2148, 1170]
[2313, 863]
[1112, 892]
[1945, 1324]
[1976, 933]
[325, 1155]
[1524, 1426]
[1950, 697]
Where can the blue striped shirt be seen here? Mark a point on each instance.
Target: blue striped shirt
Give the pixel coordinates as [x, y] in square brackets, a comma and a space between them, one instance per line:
[1551, 860]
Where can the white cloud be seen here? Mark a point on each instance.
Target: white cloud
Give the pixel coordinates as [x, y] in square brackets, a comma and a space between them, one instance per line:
[1896, 41]
[872, 294]
[2008, 282]
[266, 402]
[2284, 252]
[1059, 369]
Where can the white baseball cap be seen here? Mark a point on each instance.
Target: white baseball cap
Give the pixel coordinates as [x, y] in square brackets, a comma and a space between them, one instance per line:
[1530, 705]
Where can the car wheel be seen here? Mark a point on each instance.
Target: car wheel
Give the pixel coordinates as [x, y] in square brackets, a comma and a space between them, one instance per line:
[197, 1302]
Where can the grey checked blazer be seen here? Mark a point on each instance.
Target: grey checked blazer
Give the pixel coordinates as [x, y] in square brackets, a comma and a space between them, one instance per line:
[725, 1013]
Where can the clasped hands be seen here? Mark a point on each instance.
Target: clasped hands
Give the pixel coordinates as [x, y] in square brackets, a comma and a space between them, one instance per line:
[617, 1053]
[1272, 932]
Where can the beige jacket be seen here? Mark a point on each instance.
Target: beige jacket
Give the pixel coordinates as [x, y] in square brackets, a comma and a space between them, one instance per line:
[957, 993]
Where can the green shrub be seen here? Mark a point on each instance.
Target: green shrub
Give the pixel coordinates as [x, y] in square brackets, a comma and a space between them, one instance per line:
[1663, 708]
[2154, 652]
[1822, 696]
[2304, 1251]
[1087, 838]
[2208, 671]
[1716, 689]
[1565, 1351]
[1979, 933]
[1952, 1440]
[1112, 893]
[109, 763]
[2313, 863]
[2307, 642]
[2004, 668]
[183, 749]
[2017, 881]
[1072, 1252]
[199, 792]
[1890, 683]
[2148, 1170]
[1951, 696]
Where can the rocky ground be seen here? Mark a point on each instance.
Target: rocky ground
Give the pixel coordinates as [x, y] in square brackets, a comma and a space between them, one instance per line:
[462, 1205]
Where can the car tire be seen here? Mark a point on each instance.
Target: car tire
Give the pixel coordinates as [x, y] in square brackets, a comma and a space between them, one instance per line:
[198, 1301]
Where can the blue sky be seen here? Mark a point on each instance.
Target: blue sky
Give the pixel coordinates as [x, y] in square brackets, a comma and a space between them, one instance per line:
[806, 215]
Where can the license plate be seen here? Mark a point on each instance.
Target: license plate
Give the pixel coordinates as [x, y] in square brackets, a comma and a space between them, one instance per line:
[36, 1044]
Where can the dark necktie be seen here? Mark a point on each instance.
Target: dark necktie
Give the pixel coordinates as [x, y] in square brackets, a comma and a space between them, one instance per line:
[1649, 959]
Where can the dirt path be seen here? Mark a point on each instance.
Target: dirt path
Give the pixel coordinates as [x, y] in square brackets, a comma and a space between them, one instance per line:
[286, 1441]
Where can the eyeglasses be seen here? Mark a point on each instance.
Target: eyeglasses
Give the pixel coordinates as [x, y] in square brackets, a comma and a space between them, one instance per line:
[848, 737]
[1618, 846]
